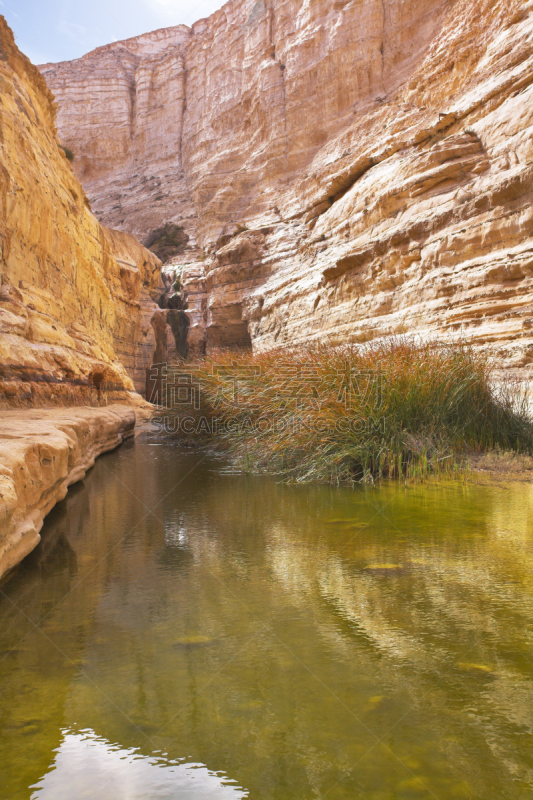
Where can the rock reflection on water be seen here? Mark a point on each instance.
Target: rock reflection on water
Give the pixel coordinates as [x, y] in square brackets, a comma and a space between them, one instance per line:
[87, 767]
[305, 641]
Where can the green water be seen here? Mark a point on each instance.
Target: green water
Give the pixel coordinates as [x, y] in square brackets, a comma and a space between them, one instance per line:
[185, 632]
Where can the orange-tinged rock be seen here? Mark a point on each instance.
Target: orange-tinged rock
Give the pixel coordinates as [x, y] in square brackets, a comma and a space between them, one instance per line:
[42, 453]
[75, 304]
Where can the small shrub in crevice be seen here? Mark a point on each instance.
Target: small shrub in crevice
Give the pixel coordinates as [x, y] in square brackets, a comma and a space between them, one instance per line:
[68, 152]
[168, 241]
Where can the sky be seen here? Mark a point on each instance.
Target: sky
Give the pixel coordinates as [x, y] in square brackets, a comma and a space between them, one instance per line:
[59, 30]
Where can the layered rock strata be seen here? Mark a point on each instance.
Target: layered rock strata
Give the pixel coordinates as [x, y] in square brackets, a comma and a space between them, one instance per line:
[351, 170]
[76, 308]
[42, 453]
[75, 298]
[125, 102]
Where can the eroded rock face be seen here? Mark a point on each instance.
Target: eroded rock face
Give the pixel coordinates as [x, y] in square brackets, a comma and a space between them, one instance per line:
[350, 170]
[75, 297]
[121, 114]
[42, 453]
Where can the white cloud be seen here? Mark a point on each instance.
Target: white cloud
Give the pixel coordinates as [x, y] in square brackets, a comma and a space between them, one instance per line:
[72, 29]
[14, 13]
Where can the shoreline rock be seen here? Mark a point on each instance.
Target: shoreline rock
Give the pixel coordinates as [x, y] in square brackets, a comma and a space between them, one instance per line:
[42, 453]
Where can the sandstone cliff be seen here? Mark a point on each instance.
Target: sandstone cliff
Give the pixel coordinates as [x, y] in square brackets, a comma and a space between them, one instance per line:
[350, 170]
[121, 113]
[42, 453]
[75, 304]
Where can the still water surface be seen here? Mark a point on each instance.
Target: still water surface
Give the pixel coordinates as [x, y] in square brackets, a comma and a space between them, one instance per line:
[184, 632]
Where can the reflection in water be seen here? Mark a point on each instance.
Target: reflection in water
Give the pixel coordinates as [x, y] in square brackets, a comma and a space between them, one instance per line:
[305, 641]
[89, 768]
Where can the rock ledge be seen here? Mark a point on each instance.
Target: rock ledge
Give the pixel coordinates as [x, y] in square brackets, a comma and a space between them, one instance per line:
[42, 453]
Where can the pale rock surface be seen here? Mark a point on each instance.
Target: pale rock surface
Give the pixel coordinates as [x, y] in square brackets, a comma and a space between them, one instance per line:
[125, 102]
[42, 453]
[76, 304]
[351, 170]
[75, 298]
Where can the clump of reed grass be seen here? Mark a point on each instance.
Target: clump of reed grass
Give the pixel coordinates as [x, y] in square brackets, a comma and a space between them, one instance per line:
[396, 409]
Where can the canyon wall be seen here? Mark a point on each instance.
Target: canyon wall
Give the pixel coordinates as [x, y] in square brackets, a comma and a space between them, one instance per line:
[75, 297]
[121, 114]
[343, 171]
